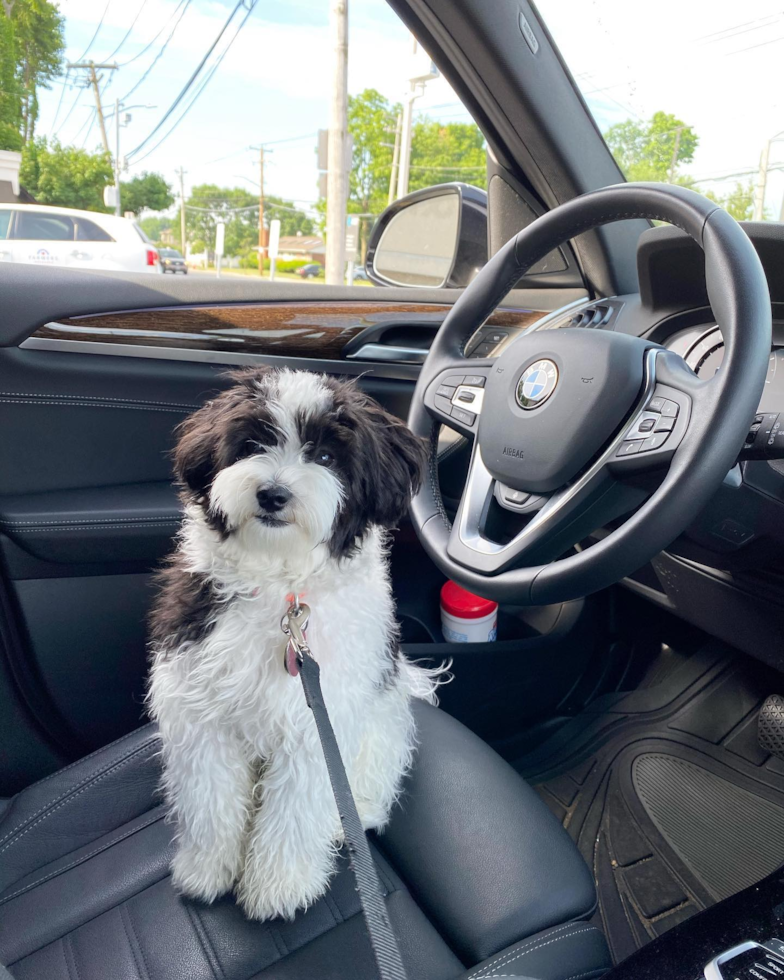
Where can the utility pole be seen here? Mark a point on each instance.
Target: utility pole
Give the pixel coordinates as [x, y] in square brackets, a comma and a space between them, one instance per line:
[675, 151]
[93, 78]
[337, 177]
[261, 210]
[423, 71]
[762, 183]
[117, 207]
[182, 173]
[395, 159]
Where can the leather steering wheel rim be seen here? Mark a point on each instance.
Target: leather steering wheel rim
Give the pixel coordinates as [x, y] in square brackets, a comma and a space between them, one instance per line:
[715, 414]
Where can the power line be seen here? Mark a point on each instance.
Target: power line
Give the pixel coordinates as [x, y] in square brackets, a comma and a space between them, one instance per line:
[191, 80]
[97, 29]
[79, 91]
[127, 33]
[62, 93]
[150, 43]
[203, 84]
[158, 56]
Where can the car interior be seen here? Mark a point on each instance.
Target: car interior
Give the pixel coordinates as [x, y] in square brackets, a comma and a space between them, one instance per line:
[601, 790]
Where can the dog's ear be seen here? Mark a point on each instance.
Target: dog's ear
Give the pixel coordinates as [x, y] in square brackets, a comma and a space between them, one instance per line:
[400, 465]
[383, 469]
[195, 451]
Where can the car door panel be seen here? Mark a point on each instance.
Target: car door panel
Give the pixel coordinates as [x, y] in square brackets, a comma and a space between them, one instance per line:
[93, 384]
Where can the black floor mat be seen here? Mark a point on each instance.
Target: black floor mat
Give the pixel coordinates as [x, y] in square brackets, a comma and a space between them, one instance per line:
[667, 793]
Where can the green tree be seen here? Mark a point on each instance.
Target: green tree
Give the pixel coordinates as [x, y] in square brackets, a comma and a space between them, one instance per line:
[147, 192]
[10, 94]
[64, 175]
[372, 121]
[444, 152]
[39, 27]
[155, 225]
[647, 150]
[292, 220]
[740, 202]
[208, 203]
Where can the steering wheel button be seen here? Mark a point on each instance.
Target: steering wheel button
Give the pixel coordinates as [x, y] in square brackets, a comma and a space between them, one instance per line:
[474, 380]
[664, 424]
[656, 404]
[646, 425]
[467, 418]
[516, 496]
[669, 408]
[446, 390]
[630, 448]
[454, 380]
[443, 404]
[655, 441]
[466, 396]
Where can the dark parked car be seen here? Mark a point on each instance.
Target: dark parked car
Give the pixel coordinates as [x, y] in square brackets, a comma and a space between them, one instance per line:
[311, 271]
[172, 261]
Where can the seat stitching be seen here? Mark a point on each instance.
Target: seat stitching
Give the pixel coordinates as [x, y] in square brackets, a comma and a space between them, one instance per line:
[520, 952]
[100, 527]
[98, 398]
[83, 858]
[501, 957]
[70, 961]
[204, 940]
[136, 950]
[88, 520]
[67, 404]
[49, 808]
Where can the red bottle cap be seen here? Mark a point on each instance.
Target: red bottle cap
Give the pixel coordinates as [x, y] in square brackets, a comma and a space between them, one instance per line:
[459, 602]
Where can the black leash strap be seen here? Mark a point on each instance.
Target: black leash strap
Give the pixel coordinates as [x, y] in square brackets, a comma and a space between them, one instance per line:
[374, 909]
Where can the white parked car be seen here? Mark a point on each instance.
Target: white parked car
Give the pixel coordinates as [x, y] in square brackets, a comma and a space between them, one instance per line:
[42, 235]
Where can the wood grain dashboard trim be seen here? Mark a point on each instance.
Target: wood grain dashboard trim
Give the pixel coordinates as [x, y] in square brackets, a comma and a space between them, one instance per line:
[316, 330]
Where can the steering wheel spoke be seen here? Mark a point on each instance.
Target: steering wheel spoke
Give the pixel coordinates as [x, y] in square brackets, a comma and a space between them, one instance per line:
[455, 394]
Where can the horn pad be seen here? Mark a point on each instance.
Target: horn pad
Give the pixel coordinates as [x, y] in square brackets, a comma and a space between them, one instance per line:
[553, 401]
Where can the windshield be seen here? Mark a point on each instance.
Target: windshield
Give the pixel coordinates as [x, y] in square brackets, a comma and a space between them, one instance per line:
[208, 123]
[684, 92]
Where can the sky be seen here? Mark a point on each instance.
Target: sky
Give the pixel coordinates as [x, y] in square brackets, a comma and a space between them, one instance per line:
[717, 66]
[271, 86]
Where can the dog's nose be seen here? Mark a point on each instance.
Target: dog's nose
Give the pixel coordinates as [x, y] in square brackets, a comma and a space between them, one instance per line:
[273, 498]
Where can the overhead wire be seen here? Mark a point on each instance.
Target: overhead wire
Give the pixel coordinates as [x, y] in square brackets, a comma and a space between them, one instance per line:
[150, 43]
[128, 32]
[84, 54]
[62, 93]
[183, 92]
[202, 85]
[158, 56]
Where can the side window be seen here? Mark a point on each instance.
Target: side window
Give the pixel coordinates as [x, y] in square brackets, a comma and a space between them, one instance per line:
[32, 226]
[88, 231]
[5, 221]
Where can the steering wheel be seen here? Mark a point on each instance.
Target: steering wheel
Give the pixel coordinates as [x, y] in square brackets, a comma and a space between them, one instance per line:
[563, 441]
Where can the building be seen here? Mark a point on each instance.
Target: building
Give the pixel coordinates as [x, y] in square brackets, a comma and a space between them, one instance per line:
[10, 190]
[309, 248]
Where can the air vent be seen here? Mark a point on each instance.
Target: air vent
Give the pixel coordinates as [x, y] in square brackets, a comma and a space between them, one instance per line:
[591, 316]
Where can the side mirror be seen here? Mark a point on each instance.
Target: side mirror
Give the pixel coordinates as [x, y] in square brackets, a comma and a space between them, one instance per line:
[432, 238]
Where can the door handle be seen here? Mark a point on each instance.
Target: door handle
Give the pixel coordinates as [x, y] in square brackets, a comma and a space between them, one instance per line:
[387, 352]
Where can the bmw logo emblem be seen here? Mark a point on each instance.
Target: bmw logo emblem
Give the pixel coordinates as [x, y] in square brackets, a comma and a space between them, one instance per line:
[536, 384]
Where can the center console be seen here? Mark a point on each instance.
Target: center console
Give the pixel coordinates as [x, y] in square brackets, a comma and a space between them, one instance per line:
[741, 938]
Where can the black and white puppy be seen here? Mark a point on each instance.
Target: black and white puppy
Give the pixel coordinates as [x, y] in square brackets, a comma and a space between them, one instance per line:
[288, 480]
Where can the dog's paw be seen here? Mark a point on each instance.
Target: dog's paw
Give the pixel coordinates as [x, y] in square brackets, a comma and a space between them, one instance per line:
[374, 816]
[196, 874]
[266, 892]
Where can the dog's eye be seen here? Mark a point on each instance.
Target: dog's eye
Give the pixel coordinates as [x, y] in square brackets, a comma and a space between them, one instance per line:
[323, 458]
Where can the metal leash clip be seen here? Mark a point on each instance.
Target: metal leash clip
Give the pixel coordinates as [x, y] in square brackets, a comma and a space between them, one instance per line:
[293, 624]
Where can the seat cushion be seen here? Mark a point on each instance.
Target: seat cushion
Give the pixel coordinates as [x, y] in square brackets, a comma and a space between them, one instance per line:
[85, 891]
